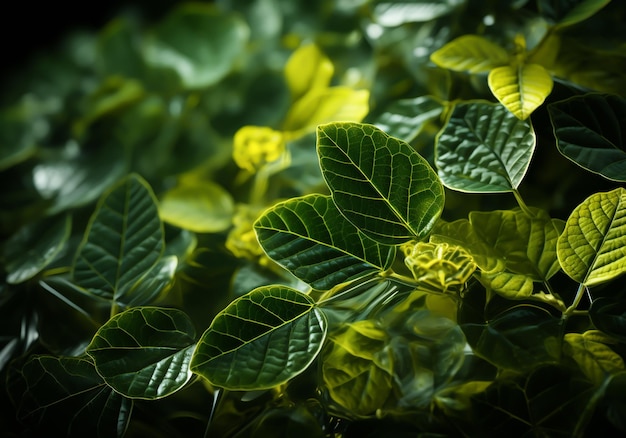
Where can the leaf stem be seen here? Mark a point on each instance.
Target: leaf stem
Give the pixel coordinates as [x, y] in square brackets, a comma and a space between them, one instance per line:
[522, 204]
[579, 295]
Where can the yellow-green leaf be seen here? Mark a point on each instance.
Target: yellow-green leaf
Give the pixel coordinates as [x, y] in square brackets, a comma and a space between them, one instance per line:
[471, 53]
[592, 248]
[595, 359]
[508, 284]
[307, 69]
[521, 89]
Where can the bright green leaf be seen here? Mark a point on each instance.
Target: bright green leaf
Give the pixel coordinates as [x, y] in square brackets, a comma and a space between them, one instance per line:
[609, 315]
[66, 397]
[592, 248]
[325, 105]
[308, 69]
[144, 352]
[590, 131]
[33, 246]
[197, 41]
[379, 183]
[508, 284]
[123, 241]
[596, 360]
[568, 12]
[483, 148]
[392, 14]
[405, 118]
[310, 237]
[201, 207]
[522, 88]
[471, 53]
[261, 340]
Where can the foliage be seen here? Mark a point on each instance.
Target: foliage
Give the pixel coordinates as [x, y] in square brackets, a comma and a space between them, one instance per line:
[349, 218]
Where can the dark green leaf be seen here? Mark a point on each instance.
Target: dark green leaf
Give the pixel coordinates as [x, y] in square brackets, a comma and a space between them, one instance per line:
[379, 183]
[609, 315]
[405, 118]
[66, 397]
[144, 352]
[591, 131]
[123, 241]
[310, 237]
[567, 12]
[261, 340]
[155, 282]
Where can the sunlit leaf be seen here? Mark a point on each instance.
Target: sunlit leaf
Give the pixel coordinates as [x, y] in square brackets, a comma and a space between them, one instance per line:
[471, 53]
[202, 207]
[508, 284]
[144, 352]
[197, 41]
[568, 12]
[310, 237]
[308, 69]
[596, 359]
[520, 88]
[325, 105]
[392, 14]
[405, 118]
[483, 148]
[590, 131]
[379, 183]
[261, 340]
[123, 241]
[357, 371]
[592, 248]
[609, 315]
[33, 246]
[67, 397]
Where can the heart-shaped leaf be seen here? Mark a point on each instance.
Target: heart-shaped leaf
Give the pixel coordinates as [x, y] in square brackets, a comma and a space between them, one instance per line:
[123, 241]
[520, 88]
[609, 315]
[567, 12]
[590, 131]
[310, 238]
[261, 340]
[592, 248]
[379, 183]
[483, 148]
[144, 352]
[66, 397]
[405, 118]
[596, 359]
[471, 53]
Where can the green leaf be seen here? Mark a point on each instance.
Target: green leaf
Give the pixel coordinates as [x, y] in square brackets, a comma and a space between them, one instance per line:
[144, 352]
[471, 53]
[201, 207]
[568, 12]
[154, 283]
[483, 148]
[357, 370]
[590, 131]
[405, 118]
[34, 246]
[520, 88]
[66, 397]
[508, 284]
[519, 339]
[596, 360]
[308, 69]
[310, 238]
[123, 241]
[592, 248]
[609, 315]
[197, 41]
[21, 128]
[379, 183]
[261, 340]
[392, 14]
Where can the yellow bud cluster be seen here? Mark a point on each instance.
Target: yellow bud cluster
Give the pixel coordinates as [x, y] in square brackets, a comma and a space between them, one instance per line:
[256, 146]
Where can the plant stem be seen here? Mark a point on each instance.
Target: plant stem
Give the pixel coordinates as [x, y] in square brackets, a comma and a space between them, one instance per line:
[579, 295]
[522, 204]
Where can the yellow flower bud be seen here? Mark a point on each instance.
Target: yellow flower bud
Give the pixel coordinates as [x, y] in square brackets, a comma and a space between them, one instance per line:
[255, 146]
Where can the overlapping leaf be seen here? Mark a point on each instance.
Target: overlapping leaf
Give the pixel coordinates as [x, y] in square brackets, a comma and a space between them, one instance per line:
[405, 118]
[592, 248]
[310, 237]
[609, 315]
[144, 352]
[471, 53]
[483, 148]
[592, 354]
[66, 397]
[123, 241]
[590, 131]
[261, 340]
[379, 183]
[308, 69]
[567, 12]
[389, 13]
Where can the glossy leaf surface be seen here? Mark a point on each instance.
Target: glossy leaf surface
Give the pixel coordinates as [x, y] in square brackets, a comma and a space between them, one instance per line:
[379, 183]
[590, 131]
[144, 352]
[310, 237]
[471, 53]
[389, 13]
[123, 241]
[592, 354]
[405, 118]
[261, 340]
[592, 248]
[483, 148]
[66, 397]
